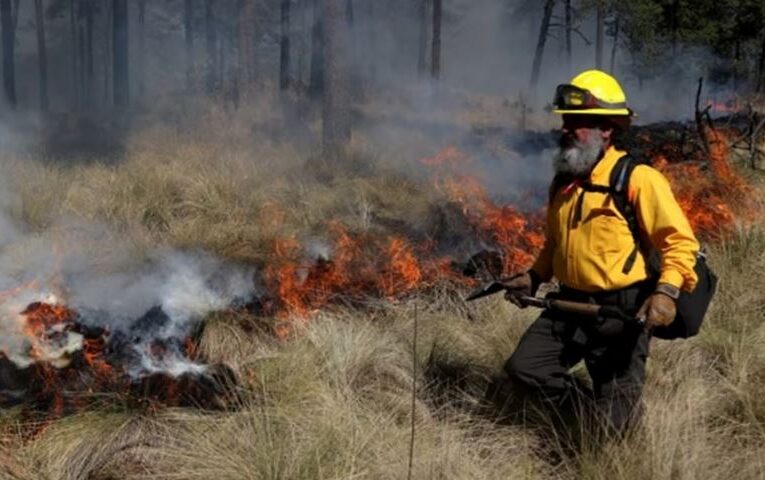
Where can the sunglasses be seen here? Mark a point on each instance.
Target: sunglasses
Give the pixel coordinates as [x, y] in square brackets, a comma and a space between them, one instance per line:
[571, 97]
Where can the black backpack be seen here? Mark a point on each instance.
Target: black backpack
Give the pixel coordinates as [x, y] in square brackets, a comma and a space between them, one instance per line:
[691, 306]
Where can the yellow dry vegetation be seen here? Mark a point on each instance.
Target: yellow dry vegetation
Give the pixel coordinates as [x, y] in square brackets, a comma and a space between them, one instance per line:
[333, 401]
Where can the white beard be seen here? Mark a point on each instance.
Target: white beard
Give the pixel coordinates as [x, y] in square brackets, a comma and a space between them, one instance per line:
[579, 158]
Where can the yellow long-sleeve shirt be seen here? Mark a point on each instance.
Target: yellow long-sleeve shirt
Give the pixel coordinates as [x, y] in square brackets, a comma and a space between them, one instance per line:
[589, 252]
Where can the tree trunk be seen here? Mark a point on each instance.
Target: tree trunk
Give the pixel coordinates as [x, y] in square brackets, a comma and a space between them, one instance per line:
[188, 33]
[302, 46]
[42, 55]
[9, 73]
[599, 35]
[536, 66]
[108, 47]
[761, 67]
[569, 26]
[284, 47]
[120, 53]
[234, 67]
[615, 46]
[247, 43]
[220, 68]
[435, 66]
[336, 119]
[675, 26]
[371, 41]
[422, 50]
[316, 84]
[736, 63]
[81, 75]
[212, 51]
[141, 48]
[75, 61]
[355, 81]
[16, 4]
[89, 61]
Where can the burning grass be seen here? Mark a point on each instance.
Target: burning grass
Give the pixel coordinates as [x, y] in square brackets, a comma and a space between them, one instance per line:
[714, 196]
[334, 402]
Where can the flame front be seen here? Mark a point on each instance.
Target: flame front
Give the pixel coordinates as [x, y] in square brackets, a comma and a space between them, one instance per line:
[710, 196]
[362, 264]
[365, 265]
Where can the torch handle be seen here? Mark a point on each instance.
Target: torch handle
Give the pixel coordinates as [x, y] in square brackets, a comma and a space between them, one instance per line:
[584, 309]
[579, 308]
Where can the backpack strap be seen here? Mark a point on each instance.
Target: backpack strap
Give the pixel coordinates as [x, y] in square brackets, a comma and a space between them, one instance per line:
[559, 181]
[619, 184]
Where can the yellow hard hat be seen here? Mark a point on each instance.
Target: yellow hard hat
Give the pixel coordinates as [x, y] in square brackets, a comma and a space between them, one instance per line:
[592, 92]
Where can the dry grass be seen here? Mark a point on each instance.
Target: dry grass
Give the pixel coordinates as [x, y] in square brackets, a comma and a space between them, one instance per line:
[230, 198]
[333, 401]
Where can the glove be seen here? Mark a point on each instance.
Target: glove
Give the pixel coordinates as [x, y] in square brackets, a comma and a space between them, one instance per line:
[521, 284]
[659, 309]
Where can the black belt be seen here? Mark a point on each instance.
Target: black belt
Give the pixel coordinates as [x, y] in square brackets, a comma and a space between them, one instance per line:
[627, 297]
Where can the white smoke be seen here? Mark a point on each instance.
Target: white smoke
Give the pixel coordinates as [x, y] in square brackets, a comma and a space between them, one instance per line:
[110, 289]
[184, 286]
[190, 287]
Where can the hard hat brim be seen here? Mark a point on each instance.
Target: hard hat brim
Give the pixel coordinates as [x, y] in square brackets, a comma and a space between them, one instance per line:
[596, 111]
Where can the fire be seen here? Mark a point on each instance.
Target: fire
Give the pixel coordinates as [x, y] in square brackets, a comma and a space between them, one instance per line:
[363, 264]
[65, 353]
[67, 362]
[730, 105]
[47, 328]
[41, 318]
[450, 156]
[710, 196]
[516, 234]
[404, 273]
[93, 352]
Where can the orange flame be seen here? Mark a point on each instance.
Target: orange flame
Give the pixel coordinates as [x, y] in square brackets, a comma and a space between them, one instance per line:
[391, 266]
[404, 273]
[41, 317]
[709, 197]
[518, 235]
[88, 369]
[363, 264]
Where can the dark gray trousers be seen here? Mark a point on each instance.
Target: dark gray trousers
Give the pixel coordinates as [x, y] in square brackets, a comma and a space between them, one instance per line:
[614, 353]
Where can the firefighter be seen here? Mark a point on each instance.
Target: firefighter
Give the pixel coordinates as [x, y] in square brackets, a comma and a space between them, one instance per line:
[590, 250]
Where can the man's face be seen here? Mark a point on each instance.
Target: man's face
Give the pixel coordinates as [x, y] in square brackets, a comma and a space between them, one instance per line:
[582, 129]
[583, 140]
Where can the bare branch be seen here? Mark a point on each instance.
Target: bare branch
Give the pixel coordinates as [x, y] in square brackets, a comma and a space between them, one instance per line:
[578, 32]
[573, 29]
